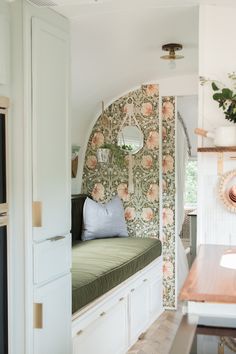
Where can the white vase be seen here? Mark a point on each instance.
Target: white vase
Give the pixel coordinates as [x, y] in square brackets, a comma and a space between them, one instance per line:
[224, 136]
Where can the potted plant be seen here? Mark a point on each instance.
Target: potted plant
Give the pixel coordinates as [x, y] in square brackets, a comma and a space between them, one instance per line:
[109, 150]
[103, 154]
[226, 99]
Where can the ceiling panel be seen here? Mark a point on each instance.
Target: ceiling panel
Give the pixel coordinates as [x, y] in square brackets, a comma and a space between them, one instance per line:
[81, 2]
[113, 53]
[75, 9]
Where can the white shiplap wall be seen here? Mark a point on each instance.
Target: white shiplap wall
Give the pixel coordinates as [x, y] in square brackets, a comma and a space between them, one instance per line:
[216, 224]
[217, 52]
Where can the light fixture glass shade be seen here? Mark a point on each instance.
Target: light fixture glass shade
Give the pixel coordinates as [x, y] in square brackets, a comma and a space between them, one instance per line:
[172, 64]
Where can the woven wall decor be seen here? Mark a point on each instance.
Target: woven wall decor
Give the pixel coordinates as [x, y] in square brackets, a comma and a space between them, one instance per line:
[227, 190]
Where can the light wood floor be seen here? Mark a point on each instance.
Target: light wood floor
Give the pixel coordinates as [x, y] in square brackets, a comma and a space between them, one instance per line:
[159, 337]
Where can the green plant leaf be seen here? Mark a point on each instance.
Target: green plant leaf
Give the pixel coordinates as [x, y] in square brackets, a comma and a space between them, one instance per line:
[214, 87]
[218, 97]
[227, 93]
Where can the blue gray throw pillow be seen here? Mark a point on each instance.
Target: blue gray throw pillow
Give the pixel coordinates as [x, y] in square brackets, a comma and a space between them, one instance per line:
[103, 220]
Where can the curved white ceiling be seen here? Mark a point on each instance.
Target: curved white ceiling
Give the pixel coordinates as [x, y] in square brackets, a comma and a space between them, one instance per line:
[114, 52]
[76, 8]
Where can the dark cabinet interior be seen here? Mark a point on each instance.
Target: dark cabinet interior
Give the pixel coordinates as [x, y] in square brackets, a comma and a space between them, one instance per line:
[3, 240]
[3, 290]
[2, 160]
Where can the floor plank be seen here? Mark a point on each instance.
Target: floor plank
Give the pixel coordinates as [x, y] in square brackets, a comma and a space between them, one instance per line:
[159, 337]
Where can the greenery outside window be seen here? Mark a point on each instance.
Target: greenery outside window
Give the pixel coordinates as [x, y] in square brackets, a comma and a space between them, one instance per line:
[191, 184]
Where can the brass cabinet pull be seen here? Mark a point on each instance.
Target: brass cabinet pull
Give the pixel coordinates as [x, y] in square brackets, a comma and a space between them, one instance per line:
[80, 332]
[38, 316]
[37, 214]
[3, 220]
[4, 102]
[102, 314]
[3, 209]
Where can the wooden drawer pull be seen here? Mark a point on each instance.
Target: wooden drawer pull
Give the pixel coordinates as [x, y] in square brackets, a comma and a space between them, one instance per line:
[56, 238]
[3, 218]
[37, 214]
[102, 314]
[3, 222]
[80, 332]
[38, 315]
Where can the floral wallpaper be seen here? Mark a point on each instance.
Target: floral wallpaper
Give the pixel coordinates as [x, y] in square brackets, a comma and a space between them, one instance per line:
[168, 199]
[141, 207]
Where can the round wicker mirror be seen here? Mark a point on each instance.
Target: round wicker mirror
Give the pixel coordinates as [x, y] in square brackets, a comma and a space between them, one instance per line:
[227, 190]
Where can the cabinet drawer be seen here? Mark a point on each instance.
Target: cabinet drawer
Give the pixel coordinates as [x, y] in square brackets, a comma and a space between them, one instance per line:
[156, 299]
[54, 336]
[52, 258]
[139, 309]
[105, 335]
[156, 271]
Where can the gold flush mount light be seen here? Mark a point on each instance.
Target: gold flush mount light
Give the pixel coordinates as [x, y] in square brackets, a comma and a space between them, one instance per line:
[172, 48]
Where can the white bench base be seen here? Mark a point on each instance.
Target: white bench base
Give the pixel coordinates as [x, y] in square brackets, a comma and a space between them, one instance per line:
[114, 322]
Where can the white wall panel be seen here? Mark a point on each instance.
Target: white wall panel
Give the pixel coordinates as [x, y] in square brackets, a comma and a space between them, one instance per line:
[217, 51]
[51, 170]
[216, 223]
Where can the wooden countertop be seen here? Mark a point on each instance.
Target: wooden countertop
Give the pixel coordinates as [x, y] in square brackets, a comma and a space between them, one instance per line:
[207, 280]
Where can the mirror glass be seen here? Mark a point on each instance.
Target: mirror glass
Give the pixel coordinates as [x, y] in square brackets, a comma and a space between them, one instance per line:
[130, 138]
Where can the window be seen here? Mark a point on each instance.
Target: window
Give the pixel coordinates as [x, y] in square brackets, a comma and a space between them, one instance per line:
[191, 184]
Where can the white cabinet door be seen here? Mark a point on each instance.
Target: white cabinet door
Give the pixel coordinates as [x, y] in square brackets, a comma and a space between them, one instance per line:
[156, 306]
[52, 259]
[55, 335]
[51, 155]
[5, 50]
[106, 335]
[139, 309]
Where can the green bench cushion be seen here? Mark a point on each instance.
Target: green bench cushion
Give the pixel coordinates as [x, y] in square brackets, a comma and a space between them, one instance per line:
[100, 265]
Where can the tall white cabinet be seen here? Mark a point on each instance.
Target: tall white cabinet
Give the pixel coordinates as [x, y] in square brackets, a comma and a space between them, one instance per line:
[47, 67]
[50, 136]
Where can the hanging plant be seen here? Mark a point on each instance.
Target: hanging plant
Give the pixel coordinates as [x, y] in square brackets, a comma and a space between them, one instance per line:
[117, 152]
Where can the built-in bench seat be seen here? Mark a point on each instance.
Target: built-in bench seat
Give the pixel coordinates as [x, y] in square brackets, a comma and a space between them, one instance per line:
[116, 288]
[100, 265]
